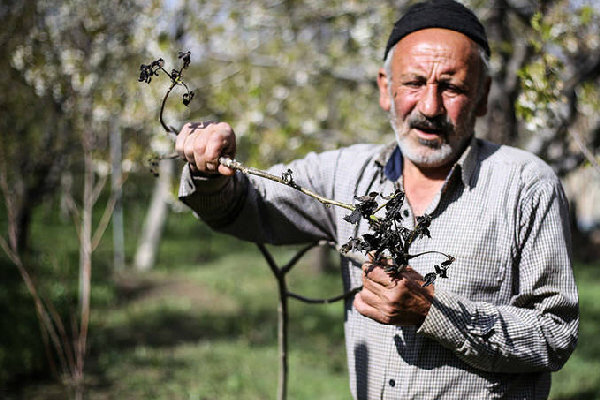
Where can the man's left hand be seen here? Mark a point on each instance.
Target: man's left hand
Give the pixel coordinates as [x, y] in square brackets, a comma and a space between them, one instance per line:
[399, 300]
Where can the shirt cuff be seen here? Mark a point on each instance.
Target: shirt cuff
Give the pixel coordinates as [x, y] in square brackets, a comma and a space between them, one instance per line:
[452, 319]
[200, 184]
[216, 199]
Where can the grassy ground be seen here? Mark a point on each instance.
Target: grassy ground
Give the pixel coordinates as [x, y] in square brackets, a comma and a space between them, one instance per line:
[210, 333]
[203, 325]
[580, 378]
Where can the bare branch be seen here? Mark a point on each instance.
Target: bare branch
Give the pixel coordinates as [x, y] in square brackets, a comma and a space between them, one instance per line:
[294, 260]
[45, 318]
[104, 221]
[9, 201]
[74, 211]
[288, 182]
[334, 299]
[97, 190]
[63, 335]
[583, 148]
[172, 132]
[283, 320]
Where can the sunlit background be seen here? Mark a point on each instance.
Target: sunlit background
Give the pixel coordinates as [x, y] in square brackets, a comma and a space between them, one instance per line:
[178, 312]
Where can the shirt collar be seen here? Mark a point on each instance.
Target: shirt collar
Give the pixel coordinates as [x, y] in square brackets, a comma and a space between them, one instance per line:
[390, 159]
[393, 167]
[468, 162]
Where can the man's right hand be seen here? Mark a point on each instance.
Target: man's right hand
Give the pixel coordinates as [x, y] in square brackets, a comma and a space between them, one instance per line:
[202, 143]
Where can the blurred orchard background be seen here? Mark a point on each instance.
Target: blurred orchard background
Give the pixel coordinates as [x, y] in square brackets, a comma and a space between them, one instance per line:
[110, 289]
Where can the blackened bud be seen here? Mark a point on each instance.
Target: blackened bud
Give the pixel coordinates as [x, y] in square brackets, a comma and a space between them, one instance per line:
[449, 261]
[175, 75]
[145, 73]
[185, 56]
[422, 227]
[187, 97]
[143, 76]
[441, 271]
[287, 177]
[429, 279]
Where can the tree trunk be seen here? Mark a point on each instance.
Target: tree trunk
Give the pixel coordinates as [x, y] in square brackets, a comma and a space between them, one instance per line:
[117, 190]
[500, 124]
[155, 219]
[85, 263]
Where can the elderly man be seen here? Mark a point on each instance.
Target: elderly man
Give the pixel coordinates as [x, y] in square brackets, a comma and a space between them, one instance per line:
[508, 314]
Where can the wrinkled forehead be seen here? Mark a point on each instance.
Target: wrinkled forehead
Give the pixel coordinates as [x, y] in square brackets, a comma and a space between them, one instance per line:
[441, 46]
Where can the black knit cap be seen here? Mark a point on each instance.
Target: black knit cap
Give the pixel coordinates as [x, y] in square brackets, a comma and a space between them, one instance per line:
[447, 14]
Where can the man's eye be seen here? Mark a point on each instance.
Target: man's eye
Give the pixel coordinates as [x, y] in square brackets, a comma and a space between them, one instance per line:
[413, 84]
[452, 88]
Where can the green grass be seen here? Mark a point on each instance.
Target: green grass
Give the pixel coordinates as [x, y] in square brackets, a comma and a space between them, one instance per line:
[580, 378]
[209, 331]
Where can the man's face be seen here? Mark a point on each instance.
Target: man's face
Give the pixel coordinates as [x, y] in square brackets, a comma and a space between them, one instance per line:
[434, 95]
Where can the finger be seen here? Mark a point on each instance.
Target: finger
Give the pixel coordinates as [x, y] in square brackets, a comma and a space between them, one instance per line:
[190, 142]
[379, 288]
[375, 273]
[218, 145]
[181, 138]
[198, 150]
[371, 297]
[229, 151]
[410, 274]
[368, 267]
[375, 311]
[371, 256]
[187, 130]
[205, 124]
[365, 308]
[193, 146]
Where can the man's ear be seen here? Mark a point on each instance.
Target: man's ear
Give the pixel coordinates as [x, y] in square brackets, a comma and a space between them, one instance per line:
[384, 94]
[481, 109]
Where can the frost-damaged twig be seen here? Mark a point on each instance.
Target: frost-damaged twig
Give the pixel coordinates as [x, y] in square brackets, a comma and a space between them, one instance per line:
[176, 76]
[390, 238]
[285, 179]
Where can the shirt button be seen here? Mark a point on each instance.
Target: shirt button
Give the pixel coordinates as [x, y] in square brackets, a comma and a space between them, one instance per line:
[406, 214]
[392, 382]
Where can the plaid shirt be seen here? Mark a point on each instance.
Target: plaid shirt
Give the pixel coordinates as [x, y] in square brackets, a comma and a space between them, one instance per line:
[506, 317]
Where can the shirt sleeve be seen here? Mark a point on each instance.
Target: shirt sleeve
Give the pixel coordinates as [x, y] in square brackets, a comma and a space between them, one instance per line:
[259, 210]
[537, 330]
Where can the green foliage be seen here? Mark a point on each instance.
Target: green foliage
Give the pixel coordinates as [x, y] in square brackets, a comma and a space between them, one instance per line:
[541, 79]
[560, 41]
[292, 85]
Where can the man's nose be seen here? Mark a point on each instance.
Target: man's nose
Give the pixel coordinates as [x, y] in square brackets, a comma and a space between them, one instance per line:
[431, 103]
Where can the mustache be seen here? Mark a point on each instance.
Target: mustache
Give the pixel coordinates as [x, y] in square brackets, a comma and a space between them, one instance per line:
[439, 123]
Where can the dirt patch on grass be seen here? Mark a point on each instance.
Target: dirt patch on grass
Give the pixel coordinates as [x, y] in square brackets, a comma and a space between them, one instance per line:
[153, 287]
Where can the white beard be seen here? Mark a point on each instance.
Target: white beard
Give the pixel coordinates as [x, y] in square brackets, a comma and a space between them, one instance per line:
[422, 154]
[430, 154]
